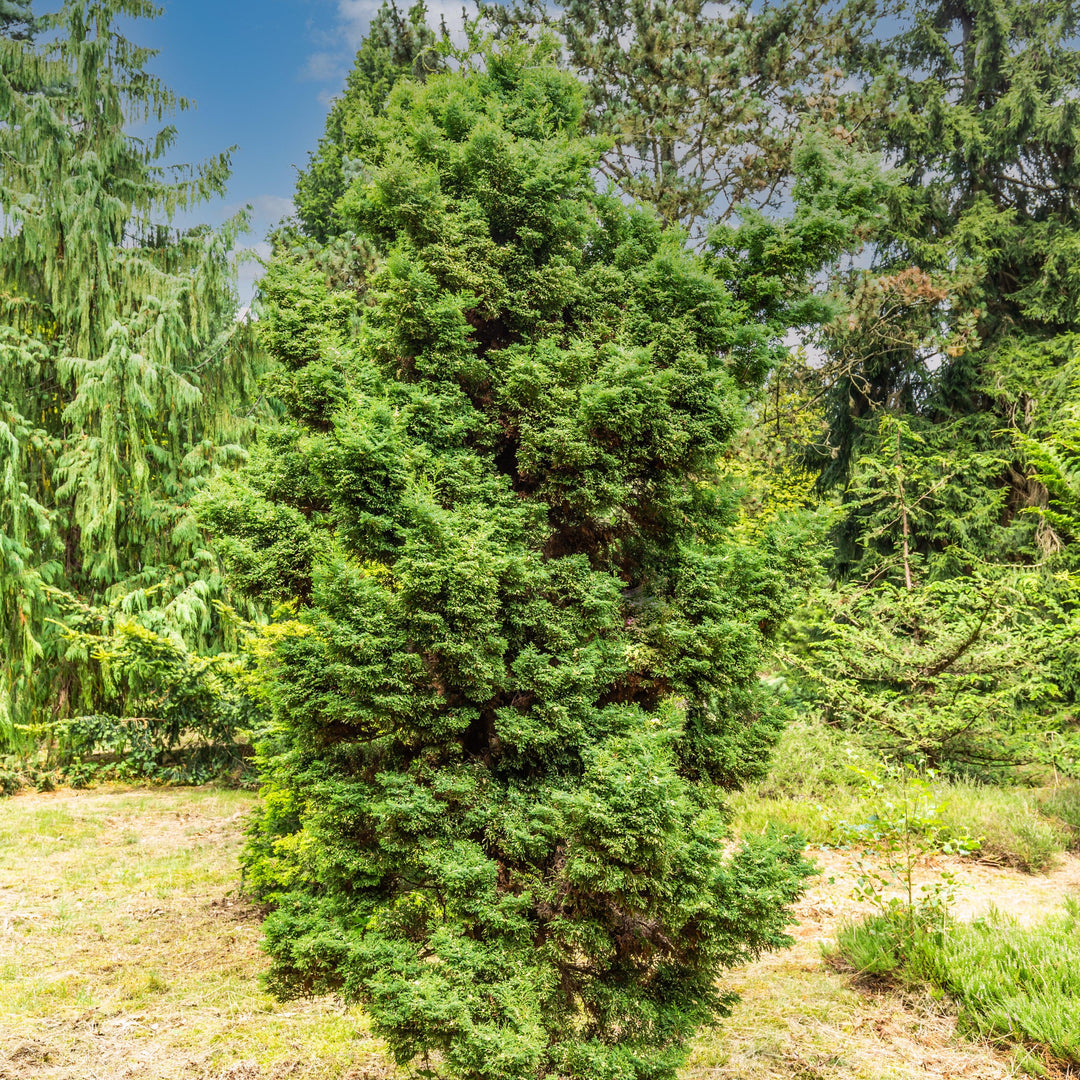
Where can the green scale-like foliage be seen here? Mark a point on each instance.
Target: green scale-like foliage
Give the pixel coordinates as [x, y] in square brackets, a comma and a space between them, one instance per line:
[524, 667]
[397, 43]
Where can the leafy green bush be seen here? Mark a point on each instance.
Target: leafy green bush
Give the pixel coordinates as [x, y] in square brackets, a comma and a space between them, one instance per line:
[10, 780]
[178, 716]
[525, 669]
[1012, 982]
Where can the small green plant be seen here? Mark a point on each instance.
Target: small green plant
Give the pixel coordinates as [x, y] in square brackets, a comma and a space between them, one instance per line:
[904, 827]
[10, 781]
[81, 774]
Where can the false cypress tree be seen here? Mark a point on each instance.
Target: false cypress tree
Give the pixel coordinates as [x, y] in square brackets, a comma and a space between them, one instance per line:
[120, 364]
[523, 666]
[397, 43]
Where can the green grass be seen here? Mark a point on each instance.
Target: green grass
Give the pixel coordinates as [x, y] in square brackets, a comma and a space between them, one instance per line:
[1009, 820]
[1019, 984]
[814, 787]
[1061, 803]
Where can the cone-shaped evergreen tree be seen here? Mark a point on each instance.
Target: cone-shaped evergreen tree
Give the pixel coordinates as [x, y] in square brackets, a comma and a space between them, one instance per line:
[397, 43]
[119, 363]
[524, 669]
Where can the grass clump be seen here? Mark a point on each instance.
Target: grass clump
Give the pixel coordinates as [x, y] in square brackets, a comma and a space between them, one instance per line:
[1019, 984]
[817, 787]
[1061, 803]
[813, 785]
[1008, 820]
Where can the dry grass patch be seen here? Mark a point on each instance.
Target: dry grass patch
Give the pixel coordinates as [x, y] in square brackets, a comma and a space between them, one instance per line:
[801, 1020]
[125, 951]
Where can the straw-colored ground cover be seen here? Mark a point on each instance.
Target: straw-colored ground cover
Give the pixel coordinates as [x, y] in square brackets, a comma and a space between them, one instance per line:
[126, 951]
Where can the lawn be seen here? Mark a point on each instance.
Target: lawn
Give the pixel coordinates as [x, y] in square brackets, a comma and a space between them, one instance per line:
[127, 951]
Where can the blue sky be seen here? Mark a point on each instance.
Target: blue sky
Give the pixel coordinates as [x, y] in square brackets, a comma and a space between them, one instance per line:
[262, 73]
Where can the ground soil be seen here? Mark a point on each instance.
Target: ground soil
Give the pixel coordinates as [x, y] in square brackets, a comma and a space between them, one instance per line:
[802, 1018]
[128, 953]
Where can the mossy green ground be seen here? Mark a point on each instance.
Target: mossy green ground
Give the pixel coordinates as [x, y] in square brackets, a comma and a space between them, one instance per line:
[126, 951]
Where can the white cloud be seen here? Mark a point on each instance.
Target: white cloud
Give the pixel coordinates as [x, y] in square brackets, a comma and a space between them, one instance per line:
[336, 41]
[272, 208]
[250, 268]
[322, 67]
[354, 16]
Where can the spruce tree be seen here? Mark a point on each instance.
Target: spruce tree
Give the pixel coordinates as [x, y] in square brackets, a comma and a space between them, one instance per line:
[951, 354]
[120, 365]
[970, 308]
[522, 668]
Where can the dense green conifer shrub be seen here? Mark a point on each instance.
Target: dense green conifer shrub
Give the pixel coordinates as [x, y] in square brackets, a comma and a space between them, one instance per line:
[523, 667]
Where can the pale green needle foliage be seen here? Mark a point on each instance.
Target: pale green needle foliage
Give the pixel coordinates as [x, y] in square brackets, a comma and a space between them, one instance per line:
[121, 364]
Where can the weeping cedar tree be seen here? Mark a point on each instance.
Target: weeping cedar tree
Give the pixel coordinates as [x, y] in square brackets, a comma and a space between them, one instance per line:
[523, 669]
[121, 368]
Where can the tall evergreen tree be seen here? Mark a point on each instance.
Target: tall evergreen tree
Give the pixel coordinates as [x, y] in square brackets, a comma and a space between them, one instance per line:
[703, 102]
[951, 354]
[523, 669]
[397, 43]
[971, 306]
[120, 362]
